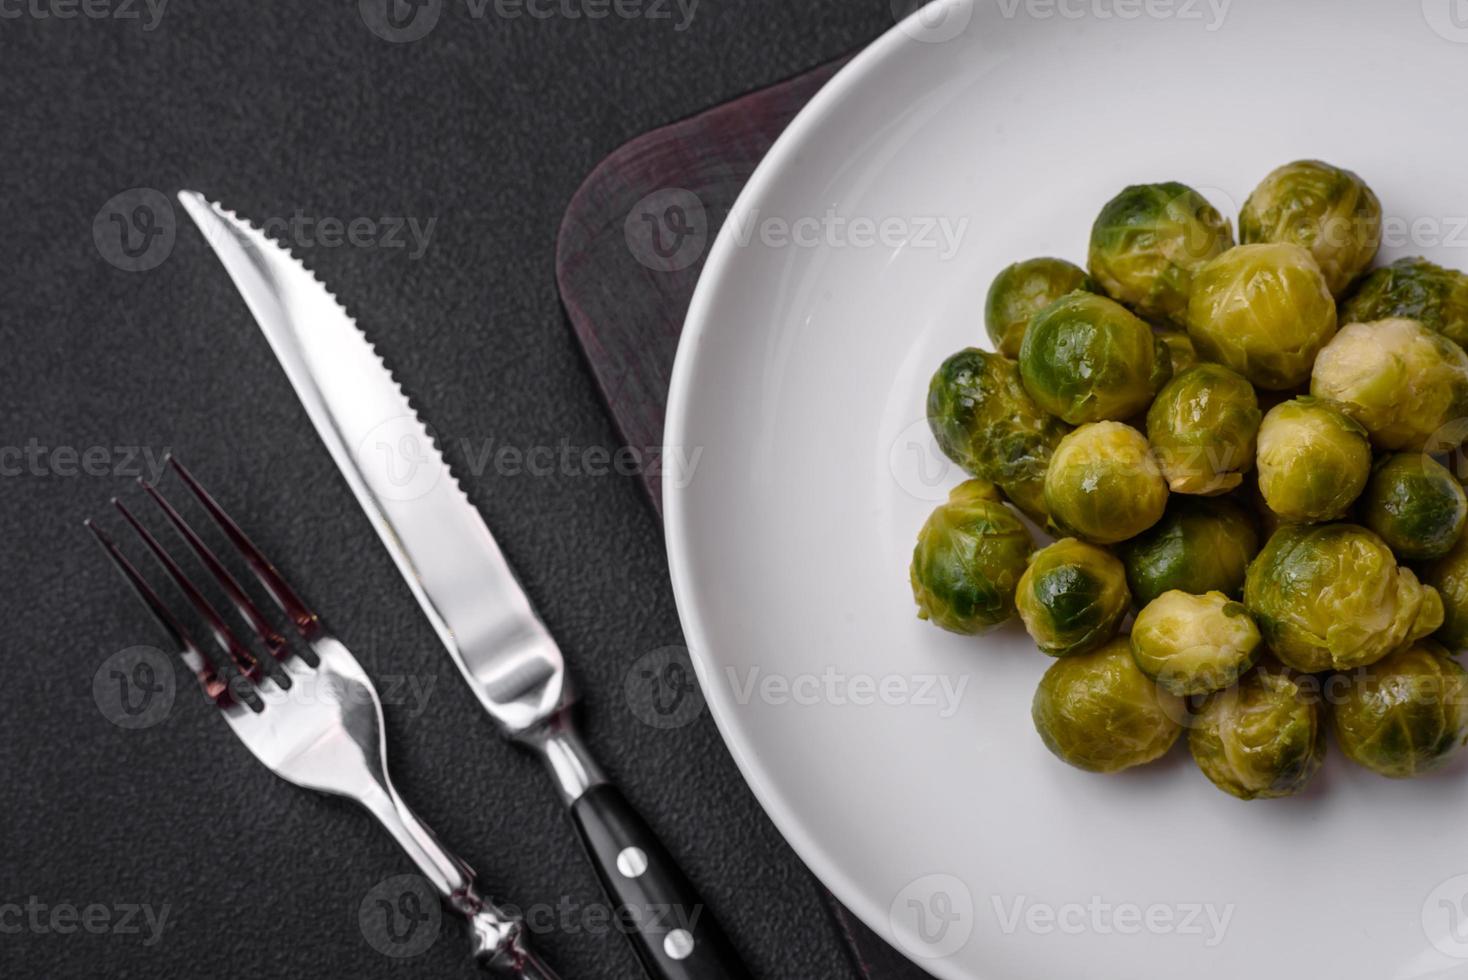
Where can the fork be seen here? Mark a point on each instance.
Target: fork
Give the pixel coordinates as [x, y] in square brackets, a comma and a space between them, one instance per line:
[317, 726]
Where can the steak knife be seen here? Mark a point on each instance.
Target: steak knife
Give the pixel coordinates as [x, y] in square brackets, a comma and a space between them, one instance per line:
[455, 570]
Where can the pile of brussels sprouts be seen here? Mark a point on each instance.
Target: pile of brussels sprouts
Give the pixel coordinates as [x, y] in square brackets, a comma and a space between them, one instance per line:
[1238, 447]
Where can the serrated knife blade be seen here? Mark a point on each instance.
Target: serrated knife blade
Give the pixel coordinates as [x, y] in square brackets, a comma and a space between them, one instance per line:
[456, 571]
[441, 545]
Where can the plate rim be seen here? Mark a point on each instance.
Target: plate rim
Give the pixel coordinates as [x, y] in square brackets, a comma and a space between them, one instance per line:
[897, 40]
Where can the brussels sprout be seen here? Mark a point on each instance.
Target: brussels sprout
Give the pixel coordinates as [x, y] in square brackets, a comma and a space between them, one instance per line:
[1197, 547]
[1261, 739]
[1416, 505]
[985, 421]
[1325, 209]
[969, 557]
[1449, 576]
[1086, 358]
[1263, 310]
[1180, 348]
[1313, 460]
[1021, 291]
[1202, 428]
[1098, 712]
[1148, 242]
[1403, 382]
[1404, 715]
[1103, 484]
[1418, 290]
[1073, 597]
[1194, 644]
[1332, 596]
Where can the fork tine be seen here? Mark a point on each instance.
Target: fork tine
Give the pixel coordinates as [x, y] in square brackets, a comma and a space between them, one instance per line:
[269, 636]
[305, 621]
[198, 661]
[242, 657]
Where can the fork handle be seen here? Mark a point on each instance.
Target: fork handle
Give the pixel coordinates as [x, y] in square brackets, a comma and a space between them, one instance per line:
[506, 957]
[670, 927]
[498, 936]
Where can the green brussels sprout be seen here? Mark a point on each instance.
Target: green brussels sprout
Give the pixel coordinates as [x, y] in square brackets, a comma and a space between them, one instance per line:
[1403, 382]
[1449, 576]
[1194, 644]
[1073, 597]
[1103, 484]
[1180, 348]
[1198, 546]
[1314, 460]
[1404, 715]
[1332, 597]
[1150, 240]
[1097, 711]
[1325, 209]
[985, 421]
[1086, 358]
[1416, 505]
[1262, 738]
[969, 557]
[1202, 428]
[1021, 291]
[1418, 290]
[1263, 310]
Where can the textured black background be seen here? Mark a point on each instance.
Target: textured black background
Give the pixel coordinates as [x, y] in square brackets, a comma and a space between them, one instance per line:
[485, 126]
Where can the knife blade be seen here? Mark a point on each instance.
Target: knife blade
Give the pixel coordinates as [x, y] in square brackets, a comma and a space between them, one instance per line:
[461, 580]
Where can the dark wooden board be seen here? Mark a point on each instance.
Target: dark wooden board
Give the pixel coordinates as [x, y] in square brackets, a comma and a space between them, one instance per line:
[631, 247]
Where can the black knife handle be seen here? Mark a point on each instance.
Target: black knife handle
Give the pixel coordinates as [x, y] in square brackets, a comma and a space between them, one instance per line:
[672, 930]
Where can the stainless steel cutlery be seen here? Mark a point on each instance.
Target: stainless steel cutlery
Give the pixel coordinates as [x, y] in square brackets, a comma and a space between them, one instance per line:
[318, 725]
[455, 570]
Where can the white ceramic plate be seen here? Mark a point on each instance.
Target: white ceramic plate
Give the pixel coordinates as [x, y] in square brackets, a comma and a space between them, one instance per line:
[938, 816]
